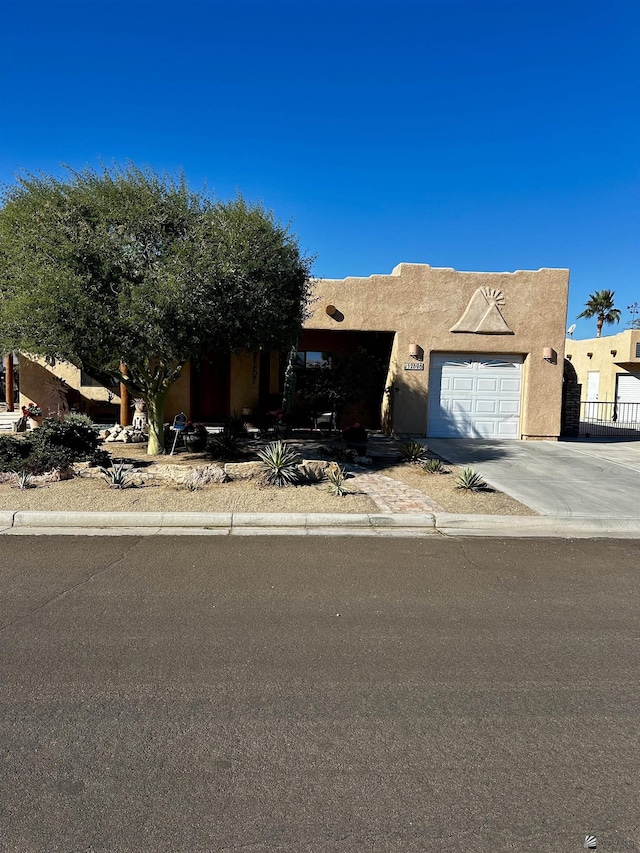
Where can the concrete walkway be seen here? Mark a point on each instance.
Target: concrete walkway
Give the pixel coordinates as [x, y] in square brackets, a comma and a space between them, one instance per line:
[591, 480]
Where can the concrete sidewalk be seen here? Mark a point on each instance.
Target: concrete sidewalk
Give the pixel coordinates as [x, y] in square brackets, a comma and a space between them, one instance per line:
[320, 524]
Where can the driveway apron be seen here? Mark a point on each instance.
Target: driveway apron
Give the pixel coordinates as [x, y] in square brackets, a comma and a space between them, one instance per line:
[566, 479]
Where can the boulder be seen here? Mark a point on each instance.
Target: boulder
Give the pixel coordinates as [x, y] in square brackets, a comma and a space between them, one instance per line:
[316, 470]
[244, 470]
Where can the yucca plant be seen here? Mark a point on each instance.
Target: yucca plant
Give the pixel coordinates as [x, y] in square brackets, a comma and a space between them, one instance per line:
[336, 478]
[434, 466]
[470, 480]
[23, 479]
[279, 464]
[413, 452]
[117, 476]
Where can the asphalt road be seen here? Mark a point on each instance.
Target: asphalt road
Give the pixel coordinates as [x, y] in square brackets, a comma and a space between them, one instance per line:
[318, 694]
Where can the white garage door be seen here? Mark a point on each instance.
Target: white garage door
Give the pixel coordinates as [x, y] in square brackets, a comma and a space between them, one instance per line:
[628, 398]
[474, 396]
[628, 390]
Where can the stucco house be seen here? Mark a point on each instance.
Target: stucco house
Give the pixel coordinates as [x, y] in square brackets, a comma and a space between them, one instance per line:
[608, 368]
[466, 354]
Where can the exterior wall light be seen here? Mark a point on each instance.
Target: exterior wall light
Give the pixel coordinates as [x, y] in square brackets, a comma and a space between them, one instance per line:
[550, 355]
[614, 352]
[589, 355]
[416, 352]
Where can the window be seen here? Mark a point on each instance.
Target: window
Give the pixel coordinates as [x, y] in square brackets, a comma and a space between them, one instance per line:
[311, 360]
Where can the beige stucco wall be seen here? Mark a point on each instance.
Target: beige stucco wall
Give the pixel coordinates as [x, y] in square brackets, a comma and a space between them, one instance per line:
[35, 373]
[604, 361]
[421, 304]
[243, 382]
[179, 396]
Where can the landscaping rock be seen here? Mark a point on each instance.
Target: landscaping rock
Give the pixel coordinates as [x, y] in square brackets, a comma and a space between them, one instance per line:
[316, 470]
[244, 470]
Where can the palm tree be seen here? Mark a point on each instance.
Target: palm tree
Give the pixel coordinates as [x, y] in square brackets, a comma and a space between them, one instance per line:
[600, 305]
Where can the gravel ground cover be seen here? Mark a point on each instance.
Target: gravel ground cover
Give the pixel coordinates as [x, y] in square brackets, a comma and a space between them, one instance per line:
[89, 493]
[441, 488]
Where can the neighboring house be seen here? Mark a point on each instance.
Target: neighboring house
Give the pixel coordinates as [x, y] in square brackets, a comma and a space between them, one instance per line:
[608, 369]
[467, 354]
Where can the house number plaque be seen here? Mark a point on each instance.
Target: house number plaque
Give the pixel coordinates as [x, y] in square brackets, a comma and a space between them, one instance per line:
[414, 365]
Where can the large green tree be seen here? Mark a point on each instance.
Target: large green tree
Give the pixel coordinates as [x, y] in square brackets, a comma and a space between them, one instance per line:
[601, 306]
[125, 266]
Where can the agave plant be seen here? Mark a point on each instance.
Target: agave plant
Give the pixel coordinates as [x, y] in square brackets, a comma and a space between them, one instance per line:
[413, 452]
[470, 480]
[279, 464]
[336, 477]
[434, 466]
[117, 476]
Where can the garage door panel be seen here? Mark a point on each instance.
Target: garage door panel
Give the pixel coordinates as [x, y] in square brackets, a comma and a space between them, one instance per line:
[487, 384]
[462, 383]
[475, 396]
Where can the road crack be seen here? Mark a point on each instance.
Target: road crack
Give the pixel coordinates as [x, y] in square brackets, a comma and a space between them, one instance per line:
[72, 588]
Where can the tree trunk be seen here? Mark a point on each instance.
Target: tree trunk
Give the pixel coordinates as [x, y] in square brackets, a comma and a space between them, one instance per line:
[599, 324]
[155, 420]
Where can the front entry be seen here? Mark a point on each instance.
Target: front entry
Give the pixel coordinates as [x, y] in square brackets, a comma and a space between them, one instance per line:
[210, 388]
[474, 396]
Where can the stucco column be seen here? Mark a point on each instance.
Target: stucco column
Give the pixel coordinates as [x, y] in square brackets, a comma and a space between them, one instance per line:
[125, 411]
[8, 381]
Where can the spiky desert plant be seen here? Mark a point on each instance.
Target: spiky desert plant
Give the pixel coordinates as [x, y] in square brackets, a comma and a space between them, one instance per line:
[413, 452]
[225, 445]
[434, 466]
[336, 478]
[470, 480]
[117, 476]
[23, 479]
[279, 464]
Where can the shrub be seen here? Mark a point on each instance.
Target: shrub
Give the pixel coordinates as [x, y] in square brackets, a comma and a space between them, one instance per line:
[279, 464]
[413, 452]
[337, 452]
[470, 480]
[76, 434]
[13, 453]
[52, 446]
[224, 445]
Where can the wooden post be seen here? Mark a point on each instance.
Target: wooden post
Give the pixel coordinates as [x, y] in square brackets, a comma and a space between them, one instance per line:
[125, 412]
[8, 381]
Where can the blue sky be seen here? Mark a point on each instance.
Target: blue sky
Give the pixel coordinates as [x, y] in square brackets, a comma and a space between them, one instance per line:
[476, 134]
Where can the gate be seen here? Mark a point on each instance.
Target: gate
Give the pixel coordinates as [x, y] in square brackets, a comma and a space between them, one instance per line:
[616, 420]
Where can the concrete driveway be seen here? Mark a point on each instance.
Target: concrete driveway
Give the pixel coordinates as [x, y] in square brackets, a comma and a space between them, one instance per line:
[576, 479]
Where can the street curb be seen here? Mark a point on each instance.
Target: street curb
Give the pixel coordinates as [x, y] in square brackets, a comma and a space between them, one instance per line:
[315, 524]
